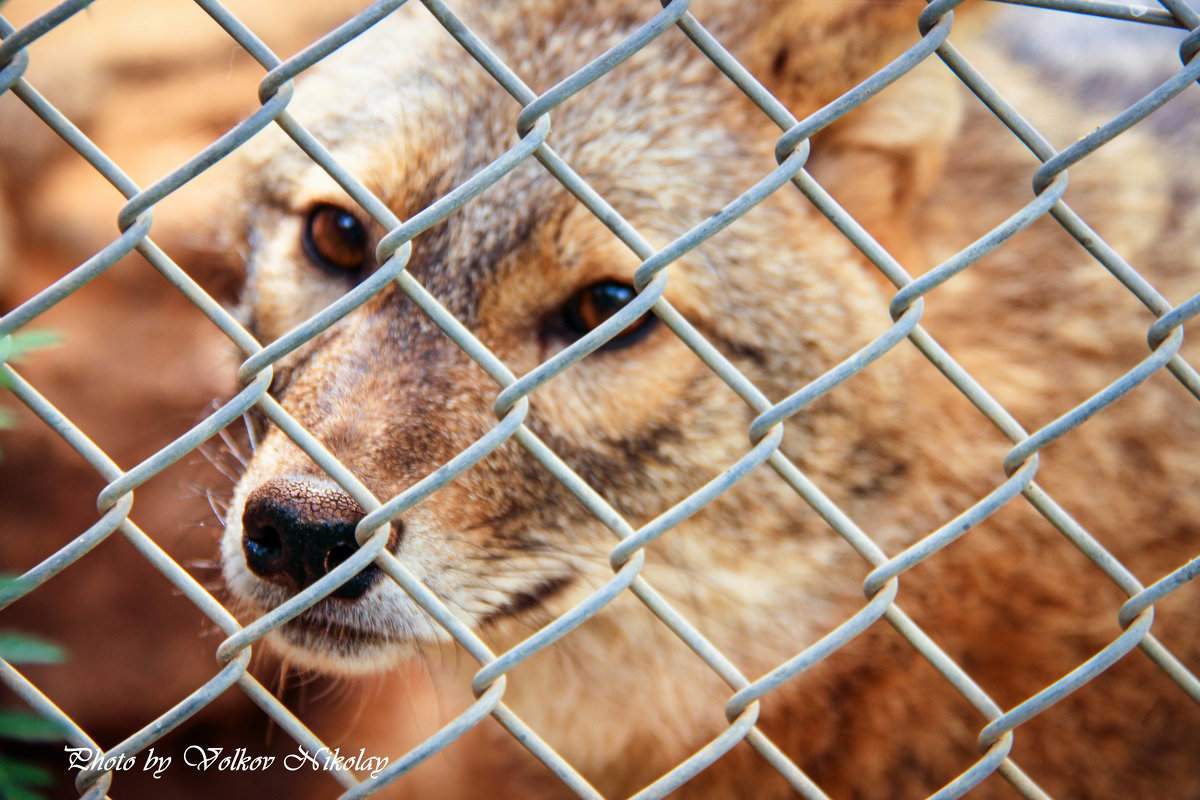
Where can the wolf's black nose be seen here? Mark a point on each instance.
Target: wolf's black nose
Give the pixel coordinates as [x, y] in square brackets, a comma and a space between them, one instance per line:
[294, 532]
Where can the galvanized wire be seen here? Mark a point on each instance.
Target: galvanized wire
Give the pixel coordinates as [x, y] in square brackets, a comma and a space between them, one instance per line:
[533, 141]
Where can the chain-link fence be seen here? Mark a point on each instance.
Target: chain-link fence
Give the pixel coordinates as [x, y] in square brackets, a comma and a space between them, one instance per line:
[535, 142]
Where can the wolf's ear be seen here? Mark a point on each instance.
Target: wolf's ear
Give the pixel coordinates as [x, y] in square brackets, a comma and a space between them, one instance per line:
[880, 160]
[808, 52]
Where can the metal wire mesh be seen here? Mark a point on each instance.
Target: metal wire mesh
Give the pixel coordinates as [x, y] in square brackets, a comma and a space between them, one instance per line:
[1020, 465]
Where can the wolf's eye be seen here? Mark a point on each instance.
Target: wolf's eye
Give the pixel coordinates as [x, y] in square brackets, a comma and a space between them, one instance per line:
[335, 239]
[595, 304]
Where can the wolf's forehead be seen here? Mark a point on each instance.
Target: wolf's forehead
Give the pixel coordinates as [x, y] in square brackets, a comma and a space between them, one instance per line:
[408, 83]
[410, 114]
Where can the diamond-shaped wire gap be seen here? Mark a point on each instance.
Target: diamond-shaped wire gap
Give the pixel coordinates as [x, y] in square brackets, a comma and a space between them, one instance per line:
[1075, 290]
[132, 128]
[578, 107]
[1088, 598]
[1109, 394]
[872, 478]
[44, 291]
[154, 119]
[78, 462]
[878, 668]
[158, 381]
[124, 324]
[1078, 50]
[694, 501]
[1128, 154]
[413, 704]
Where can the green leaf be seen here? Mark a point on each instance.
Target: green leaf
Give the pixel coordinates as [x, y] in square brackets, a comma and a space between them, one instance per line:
[10, 587]
[16, 778]
[22, 772]
[13, 348]
[14, 792]
[20, 648]
[29, 341]
[25, 726]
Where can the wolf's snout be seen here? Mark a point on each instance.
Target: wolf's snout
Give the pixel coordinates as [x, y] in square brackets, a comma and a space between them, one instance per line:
[294, 532]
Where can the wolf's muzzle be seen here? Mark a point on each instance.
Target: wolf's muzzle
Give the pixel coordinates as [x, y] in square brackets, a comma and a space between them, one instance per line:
[295, 531]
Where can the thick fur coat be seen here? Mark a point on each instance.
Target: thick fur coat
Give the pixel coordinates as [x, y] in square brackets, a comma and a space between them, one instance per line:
[668, 141]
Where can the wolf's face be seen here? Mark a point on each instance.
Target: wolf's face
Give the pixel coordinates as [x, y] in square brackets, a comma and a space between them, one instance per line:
[668, 141]
[529, 270]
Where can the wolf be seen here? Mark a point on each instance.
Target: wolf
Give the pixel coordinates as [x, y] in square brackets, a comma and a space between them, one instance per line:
[668, 140]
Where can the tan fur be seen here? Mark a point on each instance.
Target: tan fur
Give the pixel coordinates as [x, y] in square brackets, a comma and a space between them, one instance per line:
[669, 141]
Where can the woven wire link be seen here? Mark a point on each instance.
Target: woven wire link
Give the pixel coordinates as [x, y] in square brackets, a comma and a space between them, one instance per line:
[532, 140]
